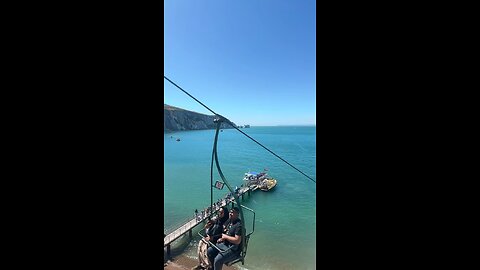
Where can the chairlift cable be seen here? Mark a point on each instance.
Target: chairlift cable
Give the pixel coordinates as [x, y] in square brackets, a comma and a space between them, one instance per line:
[231, 124]
[189, 94]
[273, 153]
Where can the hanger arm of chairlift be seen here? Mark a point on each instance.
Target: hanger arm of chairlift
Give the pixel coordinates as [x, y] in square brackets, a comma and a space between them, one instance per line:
[245, 237]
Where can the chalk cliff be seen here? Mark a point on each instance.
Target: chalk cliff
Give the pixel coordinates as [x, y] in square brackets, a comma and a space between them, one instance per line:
[175, 119]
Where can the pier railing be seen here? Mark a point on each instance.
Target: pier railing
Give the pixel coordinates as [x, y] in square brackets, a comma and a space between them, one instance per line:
[174, 233]
[176, 225]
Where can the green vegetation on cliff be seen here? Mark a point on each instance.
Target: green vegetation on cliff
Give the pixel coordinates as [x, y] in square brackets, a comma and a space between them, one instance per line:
[175, 119]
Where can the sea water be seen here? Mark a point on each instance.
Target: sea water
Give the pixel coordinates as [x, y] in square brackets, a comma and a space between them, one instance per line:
[285, 225]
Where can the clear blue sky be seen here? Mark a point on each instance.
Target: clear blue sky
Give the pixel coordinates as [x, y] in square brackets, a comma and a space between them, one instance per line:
[253, 61]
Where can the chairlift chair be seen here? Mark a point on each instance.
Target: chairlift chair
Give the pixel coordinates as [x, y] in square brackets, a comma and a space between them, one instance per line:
[245, 237]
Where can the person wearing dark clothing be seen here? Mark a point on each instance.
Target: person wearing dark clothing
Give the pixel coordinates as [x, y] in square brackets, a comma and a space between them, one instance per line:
[217, 228]
[204, 263]
[214, 232]
[231, 239]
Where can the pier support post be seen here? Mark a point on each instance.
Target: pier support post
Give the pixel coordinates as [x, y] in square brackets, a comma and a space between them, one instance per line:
[168, 251]
[190, 233]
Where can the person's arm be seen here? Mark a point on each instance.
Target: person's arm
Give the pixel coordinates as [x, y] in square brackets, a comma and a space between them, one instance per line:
[232, 239]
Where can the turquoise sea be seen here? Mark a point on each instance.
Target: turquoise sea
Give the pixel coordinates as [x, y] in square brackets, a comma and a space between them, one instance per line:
[285, 227]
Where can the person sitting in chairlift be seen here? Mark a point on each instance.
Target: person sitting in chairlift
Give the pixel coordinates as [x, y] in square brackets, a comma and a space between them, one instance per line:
[229, 243]
[214, 229]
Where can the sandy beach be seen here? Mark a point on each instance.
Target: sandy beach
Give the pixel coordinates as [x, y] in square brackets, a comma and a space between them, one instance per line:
[182, 262]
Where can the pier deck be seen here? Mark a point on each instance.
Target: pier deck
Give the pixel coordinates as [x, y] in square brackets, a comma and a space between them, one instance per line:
[189, 225]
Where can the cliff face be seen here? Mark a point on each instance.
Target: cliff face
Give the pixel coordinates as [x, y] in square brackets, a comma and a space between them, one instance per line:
[175, 119]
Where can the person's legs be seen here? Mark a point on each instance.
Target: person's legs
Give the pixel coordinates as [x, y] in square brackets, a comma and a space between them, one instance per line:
[203, 255]
[223, 257]
[211, 253]
[199, 252]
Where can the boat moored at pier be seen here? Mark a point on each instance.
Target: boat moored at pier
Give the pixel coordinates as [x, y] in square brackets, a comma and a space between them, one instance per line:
[260, 180]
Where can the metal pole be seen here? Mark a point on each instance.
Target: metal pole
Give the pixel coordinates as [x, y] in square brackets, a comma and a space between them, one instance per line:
[235, 196]
[211, 165]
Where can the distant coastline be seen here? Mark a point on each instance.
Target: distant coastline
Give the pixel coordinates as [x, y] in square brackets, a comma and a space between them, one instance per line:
[176, 131]
[311, 125]
[178, 119]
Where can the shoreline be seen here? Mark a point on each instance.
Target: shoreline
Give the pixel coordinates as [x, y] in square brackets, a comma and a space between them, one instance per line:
[183, 262]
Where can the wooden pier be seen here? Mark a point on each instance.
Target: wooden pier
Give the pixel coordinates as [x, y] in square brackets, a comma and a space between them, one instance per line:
[189, 225]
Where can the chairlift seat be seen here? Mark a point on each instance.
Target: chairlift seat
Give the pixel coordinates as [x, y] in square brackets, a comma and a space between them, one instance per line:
[241, 256]
[235, 260]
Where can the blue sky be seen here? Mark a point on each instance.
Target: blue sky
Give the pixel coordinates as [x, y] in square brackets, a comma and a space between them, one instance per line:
[253, 61]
